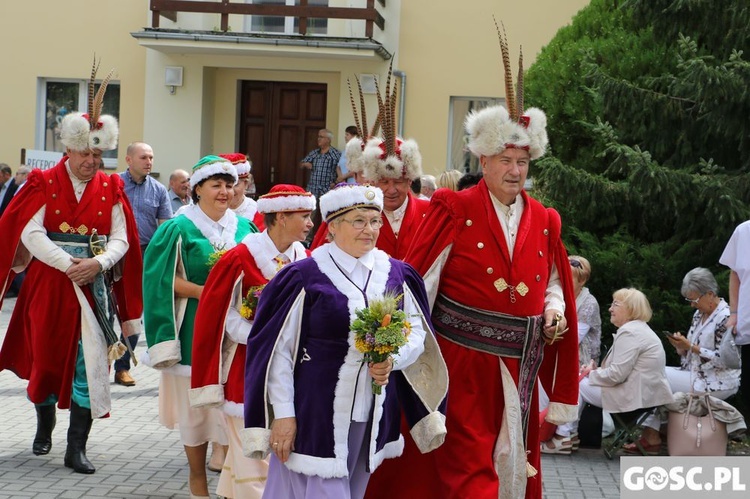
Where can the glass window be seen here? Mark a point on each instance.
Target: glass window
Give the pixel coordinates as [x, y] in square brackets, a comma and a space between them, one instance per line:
[459, 156]
[60, 97]
[287, 25]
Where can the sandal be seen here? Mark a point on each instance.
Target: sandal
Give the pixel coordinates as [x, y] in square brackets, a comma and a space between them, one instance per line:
[559, 446]
[575, 441]
[648, 449]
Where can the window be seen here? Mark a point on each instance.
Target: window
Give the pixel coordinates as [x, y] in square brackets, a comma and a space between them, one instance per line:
[60, 97]
[459, 156]
[285, 25]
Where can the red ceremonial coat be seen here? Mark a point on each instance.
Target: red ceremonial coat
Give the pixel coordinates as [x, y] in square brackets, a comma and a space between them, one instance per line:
[41, 344]
[477, 258]
[218, 362]
[396, 247]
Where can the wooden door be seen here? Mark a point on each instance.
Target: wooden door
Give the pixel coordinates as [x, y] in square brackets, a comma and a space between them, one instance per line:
[279, 123]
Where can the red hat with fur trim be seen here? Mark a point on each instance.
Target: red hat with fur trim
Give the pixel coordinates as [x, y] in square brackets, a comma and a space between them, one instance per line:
[285, 198]
[240, 162]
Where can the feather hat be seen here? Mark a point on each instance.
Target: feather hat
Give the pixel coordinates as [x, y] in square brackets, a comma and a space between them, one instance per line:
[495, 128]
[91, 130]
[347, 197]
[240, 162]
[387, 156]
[209, 166]
[286, 198]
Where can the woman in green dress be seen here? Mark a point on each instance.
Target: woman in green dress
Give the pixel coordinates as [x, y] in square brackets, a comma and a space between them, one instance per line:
[176, 265]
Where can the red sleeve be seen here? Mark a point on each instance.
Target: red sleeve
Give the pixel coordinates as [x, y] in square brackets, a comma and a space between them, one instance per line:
[210, 318]
[18, 213]
[128, 289]
[436, 232]
[559, 371]
[321, 236]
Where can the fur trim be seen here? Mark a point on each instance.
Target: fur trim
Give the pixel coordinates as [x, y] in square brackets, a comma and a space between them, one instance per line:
[135, 324]
[234, 409]
[255, 442]
[345, 388]
[558, 413]
[407, 163]
[348, 197]
[225, 240]
[76, 133]
[206, 396]
[491, 131]
[429, 432]
[389, 451]
[215, 168]
[286, 203]
[164, 354]
[353, 151]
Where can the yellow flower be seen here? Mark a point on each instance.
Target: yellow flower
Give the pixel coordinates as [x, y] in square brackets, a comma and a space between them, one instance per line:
[246, 312]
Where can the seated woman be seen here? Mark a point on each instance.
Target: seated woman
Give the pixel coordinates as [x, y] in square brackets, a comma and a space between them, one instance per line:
[701, 368]
[589, 343]
[308, 393]
[632, 375]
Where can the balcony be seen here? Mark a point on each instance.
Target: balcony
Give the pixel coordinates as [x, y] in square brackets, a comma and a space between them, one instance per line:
[321, 28]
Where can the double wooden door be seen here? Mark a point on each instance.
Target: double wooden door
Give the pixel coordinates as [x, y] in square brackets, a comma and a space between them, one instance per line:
[279, 123]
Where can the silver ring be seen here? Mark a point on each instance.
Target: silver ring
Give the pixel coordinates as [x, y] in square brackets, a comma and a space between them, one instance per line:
[275, 444]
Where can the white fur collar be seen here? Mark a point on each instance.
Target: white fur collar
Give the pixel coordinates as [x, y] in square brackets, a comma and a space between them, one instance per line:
[264, 251]
[223, 241]
[247, 209]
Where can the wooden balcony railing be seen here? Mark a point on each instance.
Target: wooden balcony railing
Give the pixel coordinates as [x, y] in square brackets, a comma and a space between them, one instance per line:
[303, 11]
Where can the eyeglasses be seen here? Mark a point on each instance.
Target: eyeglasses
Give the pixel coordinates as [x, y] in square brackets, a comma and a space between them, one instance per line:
[694, 301]
[361, 223]
[575, 264]
[615, 304]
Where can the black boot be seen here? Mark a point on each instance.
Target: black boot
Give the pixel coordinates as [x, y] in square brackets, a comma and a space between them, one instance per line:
[78, 434]
[45, 423]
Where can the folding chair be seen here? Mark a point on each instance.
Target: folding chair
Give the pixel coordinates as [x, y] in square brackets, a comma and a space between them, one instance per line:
[627, 430]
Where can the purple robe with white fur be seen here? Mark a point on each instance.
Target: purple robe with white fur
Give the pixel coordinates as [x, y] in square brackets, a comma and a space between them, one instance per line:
[327, 366]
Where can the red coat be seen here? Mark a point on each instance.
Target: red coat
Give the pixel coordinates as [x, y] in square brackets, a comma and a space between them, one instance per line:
[41, 344]
[218, 363]
[387, 240]
[478, 257]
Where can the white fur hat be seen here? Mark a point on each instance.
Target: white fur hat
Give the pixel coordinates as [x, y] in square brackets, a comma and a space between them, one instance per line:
[375, 164]
[211, 165]
[346, 197]
[285, 198]
[78, 134]
[491, 131]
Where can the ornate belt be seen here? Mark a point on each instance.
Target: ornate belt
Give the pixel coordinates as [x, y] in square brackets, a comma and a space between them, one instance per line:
[497, 334]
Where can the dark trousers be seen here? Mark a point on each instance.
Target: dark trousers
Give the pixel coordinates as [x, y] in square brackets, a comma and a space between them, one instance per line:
[123, 363]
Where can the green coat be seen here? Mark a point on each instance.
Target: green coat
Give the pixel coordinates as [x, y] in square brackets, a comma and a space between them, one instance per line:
[178, 248]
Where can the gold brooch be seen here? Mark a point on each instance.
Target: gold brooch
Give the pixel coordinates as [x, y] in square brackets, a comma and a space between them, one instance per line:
[501, 285]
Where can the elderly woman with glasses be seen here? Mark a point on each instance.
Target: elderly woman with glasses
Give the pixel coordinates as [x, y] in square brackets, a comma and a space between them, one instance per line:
[309, 397]
[701, 368]
[632, 375]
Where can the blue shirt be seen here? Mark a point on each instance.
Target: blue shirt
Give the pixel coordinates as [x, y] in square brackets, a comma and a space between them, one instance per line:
[344, 169]
[323, 170]
[150, 204]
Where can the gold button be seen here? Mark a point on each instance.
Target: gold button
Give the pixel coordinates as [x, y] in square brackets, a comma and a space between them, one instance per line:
[468, 223]
[490, 270]
[100, 213]
[57, 212]
[540, 253]
[546, 232]
[54, 196]
[105, 184]
[50, 181]
[538, 278]
[480, 245]
[103, 198]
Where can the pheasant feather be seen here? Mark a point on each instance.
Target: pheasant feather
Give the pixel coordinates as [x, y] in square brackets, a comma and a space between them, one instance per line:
[363, 131]
[92, 81]
[99, 99]
[510, 98]
[354, 107]
[519, 84]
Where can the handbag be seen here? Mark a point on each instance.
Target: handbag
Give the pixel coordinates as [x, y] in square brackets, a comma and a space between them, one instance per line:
[689, 435]
[590, 427]
[729, 352]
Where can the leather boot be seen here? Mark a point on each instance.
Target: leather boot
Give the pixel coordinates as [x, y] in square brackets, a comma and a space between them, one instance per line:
[45, 423]
[78, 434]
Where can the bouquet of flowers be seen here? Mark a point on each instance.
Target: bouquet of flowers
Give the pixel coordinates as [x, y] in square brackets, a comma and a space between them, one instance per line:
[250, 302]
[219, 250]
[380, 330]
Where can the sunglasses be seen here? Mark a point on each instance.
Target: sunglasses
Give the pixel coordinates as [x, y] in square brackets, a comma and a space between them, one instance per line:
[576, 264]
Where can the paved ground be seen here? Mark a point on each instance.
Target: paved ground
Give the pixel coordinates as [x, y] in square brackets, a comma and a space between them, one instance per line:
[135, 457]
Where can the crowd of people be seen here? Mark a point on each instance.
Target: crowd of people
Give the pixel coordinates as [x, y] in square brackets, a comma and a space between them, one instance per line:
[249, 315]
